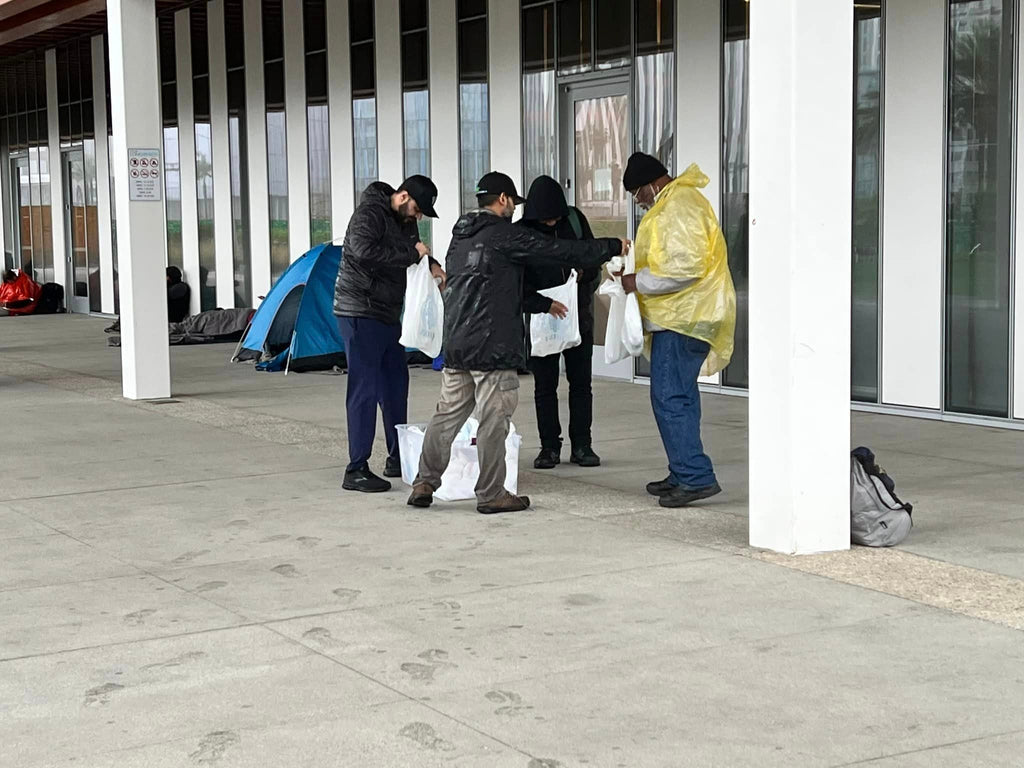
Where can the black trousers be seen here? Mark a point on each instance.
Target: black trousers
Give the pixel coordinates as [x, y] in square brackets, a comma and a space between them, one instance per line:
[579, 371]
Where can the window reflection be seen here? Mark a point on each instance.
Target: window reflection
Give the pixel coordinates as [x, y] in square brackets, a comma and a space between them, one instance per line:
[474, 109]
[317, 121]
[979, 206]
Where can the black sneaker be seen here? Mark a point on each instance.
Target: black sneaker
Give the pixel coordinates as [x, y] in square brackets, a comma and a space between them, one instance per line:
[585, 457]
[547, 459]
[661, 487]
[393, 467]
[364, 481]
[682, 497]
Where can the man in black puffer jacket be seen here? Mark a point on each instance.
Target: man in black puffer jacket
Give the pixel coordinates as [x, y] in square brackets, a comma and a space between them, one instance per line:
[484, 335]
[381, 243]
[548, 213]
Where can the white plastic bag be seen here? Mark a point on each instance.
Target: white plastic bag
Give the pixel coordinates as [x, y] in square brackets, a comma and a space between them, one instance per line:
[633, 327]
[423, 320]
[550, 335]
[624, 336]
[459, 479]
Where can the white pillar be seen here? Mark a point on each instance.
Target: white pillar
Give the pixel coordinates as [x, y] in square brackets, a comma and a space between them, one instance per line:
[444, 122]
[339, 84]
[913, 200]
[699, 97]
[141, 228]
[62, 274]
[1018, 304]
[256, 148]
[295, 115]
[106, 238]
[505, 89]
[187, 156]
[801, 64]
[388, 50]
[223, 222]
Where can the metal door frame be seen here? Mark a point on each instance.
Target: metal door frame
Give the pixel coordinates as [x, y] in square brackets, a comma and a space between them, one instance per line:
[78, 304]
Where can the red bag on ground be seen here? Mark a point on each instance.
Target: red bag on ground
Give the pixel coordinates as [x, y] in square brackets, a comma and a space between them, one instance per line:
[19, 296]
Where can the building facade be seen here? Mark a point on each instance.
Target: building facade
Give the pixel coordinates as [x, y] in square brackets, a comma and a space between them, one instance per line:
[275, 114]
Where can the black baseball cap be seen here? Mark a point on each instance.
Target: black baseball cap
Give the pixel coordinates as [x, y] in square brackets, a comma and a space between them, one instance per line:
[496, 183]
[423, 191]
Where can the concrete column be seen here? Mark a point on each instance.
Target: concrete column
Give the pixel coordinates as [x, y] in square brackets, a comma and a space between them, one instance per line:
[295, 116]
[388, 51]
[699, 97]
[61, 273]
[913, 200]
[141, 240]
[444, 121]
[801, 62]
[187, 156]
[339, 96]
[505, 89]
[106, 238]
[222, 220]
[1018, 271]
[256, 148]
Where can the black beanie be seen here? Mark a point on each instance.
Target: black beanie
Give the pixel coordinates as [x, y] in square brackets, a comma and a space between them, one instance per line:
[641, 170]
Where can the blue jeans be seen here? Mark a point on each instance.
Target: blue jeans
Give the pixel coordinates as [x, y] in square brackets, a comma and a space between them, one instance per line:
[675, 365]
[377, 376]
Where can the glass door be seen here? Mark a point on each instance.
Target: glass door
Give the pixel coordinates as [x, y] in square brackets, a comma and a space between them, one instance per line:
[76, 228]
[596, 137]
[21, 201]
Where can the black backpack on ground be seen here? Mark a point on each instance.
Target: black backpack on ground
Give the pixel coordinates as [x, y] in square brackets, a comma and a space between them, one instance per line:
[51, 299]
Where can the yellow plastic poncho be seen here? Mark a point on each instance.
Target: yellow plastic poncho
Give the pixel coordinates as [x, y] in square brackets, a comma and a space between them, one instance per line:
[680, 238]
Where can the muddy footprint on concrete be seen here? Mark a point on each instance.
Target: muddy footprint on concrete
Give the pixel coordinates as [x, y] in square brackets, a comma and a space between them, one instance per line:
[348, 595]
[425, 735]
[188, 557]
[511, 703]
[439, 576]
[100, 695]
[544, 762]
[319, 635]
[177, 661]
[308, 541]
[213, 746]
[138, 618]
[287, 570]
[423, 671]
[209, 586]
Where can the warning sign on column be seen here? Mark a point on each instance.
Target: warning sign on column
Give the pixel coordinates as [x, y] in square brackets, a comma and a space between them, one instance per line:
[144, 174]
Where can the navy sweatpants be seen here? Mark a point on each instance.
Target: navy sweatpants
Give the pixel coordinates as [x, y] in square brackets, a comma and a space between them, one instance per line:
[377, 375]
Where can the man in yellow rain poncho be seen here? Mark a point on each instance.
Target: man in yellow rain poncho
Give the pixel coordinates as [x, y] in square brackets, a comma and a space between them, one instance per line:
[688, 304]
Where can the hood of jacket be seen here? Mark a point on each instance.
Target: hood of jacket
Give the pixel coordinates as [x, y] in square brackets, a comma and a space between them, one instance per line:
[545, 201]
[472, 222]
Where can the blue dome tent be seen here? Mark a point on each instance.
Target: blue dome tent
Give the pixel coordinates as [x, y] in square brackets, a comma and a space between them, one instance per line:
[294, 328]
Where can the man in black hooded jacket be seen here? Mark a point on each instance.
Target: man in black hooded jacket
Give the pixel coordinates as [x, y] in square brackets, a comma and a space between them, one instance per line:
[484, 335]
[547, 213]
[381, 243]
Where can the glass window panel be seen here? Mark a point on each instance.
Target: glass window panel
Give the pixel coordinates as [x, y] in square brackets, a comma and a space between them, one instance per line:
[736, 178]
[655, 26]
[316, 78]
[234, 43]
[30, 82]
[415, 64]
[200, 41]
[273, 31]
[318, 127]
[236, 91]
[538, 38]
[274, 72]
[88, 120]
[63, 82]
[85, 67]
[867, 145]
[364, 136]
[207, 241]
[168, 55]
[473, 51]
[76, 121]
[92, 220]
[79, 251]
[654, 111]
[613, 33]
[170, 103]
[470, 8]
[64, 123]
[574, 36]
[74, 74]
[360, 21]
[416, 112]
[540, 126]
[475, 150]
[277, 167]
[979, 206]
[413, 14]
[172, 185]
[363, 75]
[314, 17]
[240, 213]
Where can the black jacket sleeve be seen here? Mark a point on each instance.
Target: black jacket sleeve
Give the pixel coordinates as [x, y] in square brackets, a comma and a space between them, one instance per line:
[535, 304]
[373, 242]
[526, 247]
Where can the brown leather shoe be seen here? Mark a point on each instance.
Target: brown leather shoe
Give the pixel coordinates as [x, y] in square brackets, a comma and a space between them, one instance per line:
[422, 496]
[504, 503]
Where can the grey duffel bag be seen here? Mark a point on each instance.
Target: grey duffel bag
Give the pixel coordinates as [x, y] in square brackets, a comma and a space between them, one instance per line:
[877, 517]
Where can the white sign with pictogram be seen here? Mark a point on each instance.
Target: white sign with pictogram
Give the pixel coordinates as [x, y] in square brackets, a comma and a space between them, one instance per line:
[144, 175]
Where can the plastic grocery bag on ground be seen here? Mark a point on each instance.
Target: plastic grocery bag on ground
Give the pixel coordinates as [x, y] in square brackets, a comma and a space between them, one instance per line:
[459, 480]
[550, 335]
[423, 319]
